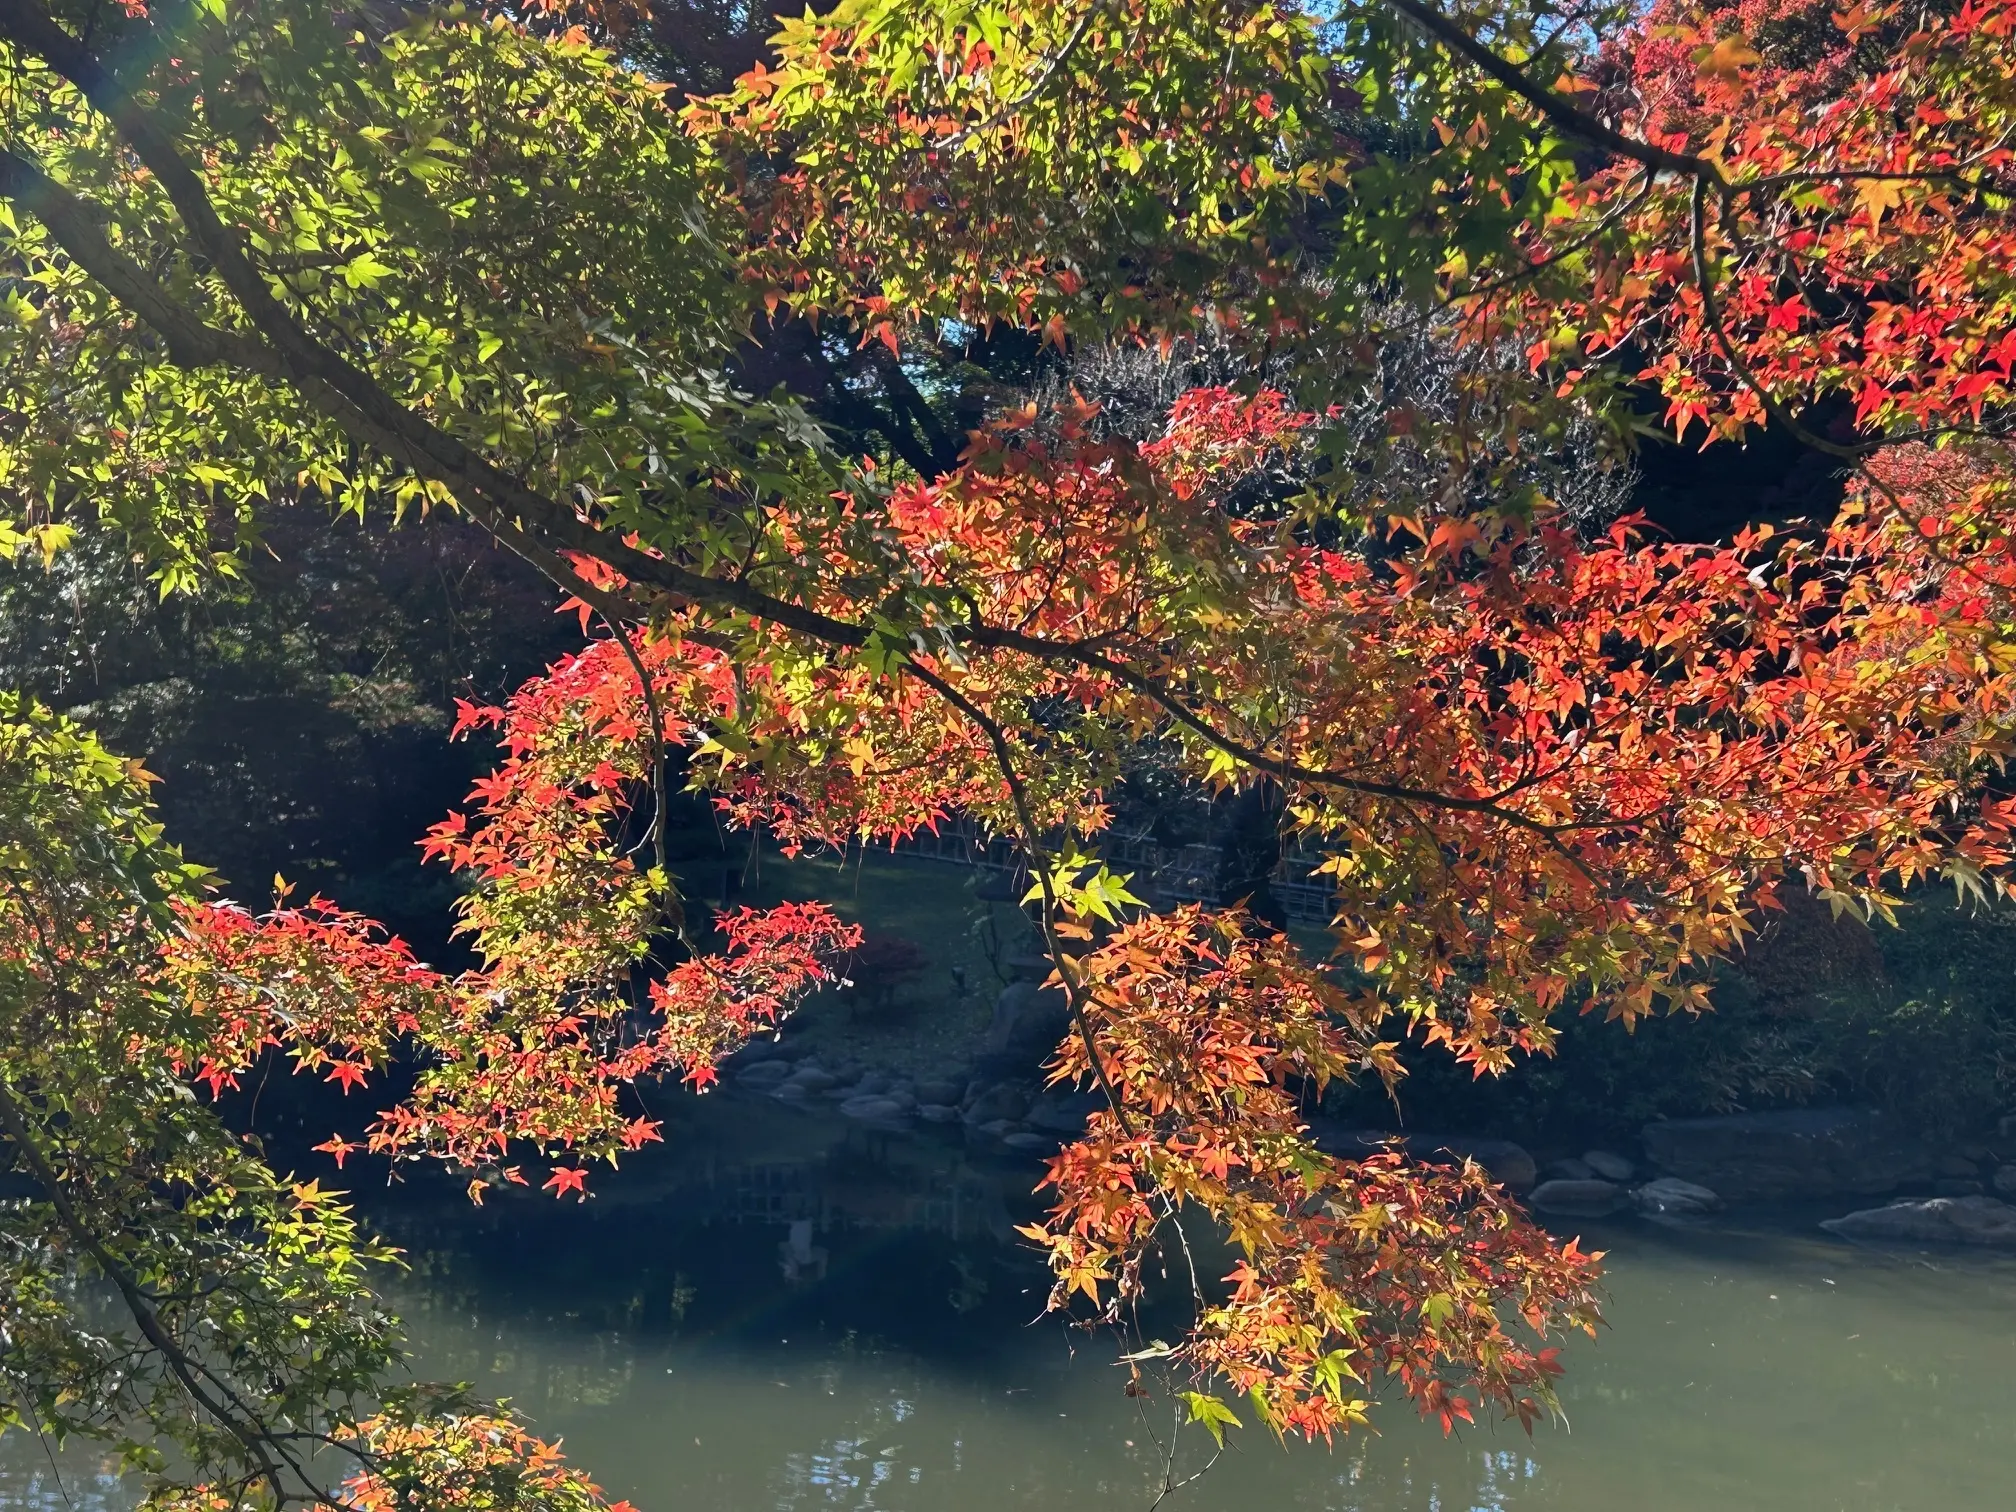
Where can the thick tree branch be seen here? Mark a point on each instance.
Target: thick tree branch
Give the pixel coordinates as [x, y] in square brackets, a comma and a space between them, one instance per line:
[525, 519]
[193, 343]
[345, 393]
[74, 224]
[1706, 175]
[197, 344]
[1249, 755]
[890, 422]
[1569, 117]
[943, 456]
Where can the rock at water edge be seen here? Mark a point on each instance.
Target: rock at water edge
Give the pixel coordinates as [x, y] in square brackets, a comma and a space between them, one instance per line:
[1933, 1220]
[1063, 1112]
[1002, 1100]
[873, 1109]
[1670, 1197]
[1609, 1167]
[1582, 1199]
[1801, 1152]
[1028, 1020]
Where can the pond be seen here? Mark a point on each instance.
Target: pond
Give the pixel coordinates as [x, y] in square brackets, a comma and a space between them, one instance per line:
[783, 1311]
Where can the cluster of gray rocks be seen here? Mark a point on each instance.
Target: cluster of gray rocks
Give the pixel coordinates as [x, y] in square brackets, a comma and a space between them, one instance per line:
[1940, 1194]
[1591, 1185]
[1601, 1182]
[1956, 1194]
[1689, 1167]
[1004, 1113]
[1694, 1167]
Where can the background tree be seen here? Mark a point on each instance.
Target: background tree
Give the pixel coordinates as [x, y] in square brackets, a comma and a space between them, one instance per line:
[298, 714]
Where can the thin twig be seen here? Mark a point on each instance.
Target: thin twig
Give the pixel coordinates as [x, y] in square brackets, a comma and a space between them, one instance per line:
[1074, 990]
[252, 1436]
[659, 800]
[1036, 86]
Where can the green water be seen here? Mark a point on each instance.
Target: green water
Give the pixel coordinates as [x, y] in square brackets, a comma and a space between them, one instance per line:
[1740, 1371]
[698, 1358]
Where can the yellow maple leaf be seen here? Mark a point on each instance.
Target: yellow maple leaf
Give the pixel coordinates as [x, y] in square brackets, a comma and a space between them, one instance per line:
[1729, 57]
[1878, 195]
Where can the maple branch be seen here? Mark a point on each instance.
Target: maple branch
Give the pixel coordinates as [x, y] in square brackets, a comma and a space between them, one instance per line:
[1857, 455]
[1535, 269]
[1569, 117]
[196, 344]
[503, 503]
[1952, 171]
[329, 382]
[73, 222]
[659, 801]
[341, 390]
[481, 486]
[1252, 756]
[1170, 1485]
[1036, 86]
[1574, 17]
[258, 1441]
[1711, 314]
[1004, 758]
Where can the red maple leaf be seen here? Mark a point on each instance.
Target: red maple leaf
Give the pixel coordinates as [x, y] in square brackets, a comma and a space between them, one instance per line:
[641, 1131]
[337, 1146]
[349, 1073]
[567, 1179]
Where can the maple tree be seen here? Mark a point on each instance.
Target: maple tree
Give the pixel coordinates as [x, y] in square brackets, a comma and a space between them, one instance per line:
[481, 264]
[242, 1336]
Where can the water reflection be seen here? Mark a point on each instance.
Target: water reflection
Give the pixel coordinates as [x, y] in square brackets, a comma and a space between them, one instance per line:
[61, 1482]
[780, 1312]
